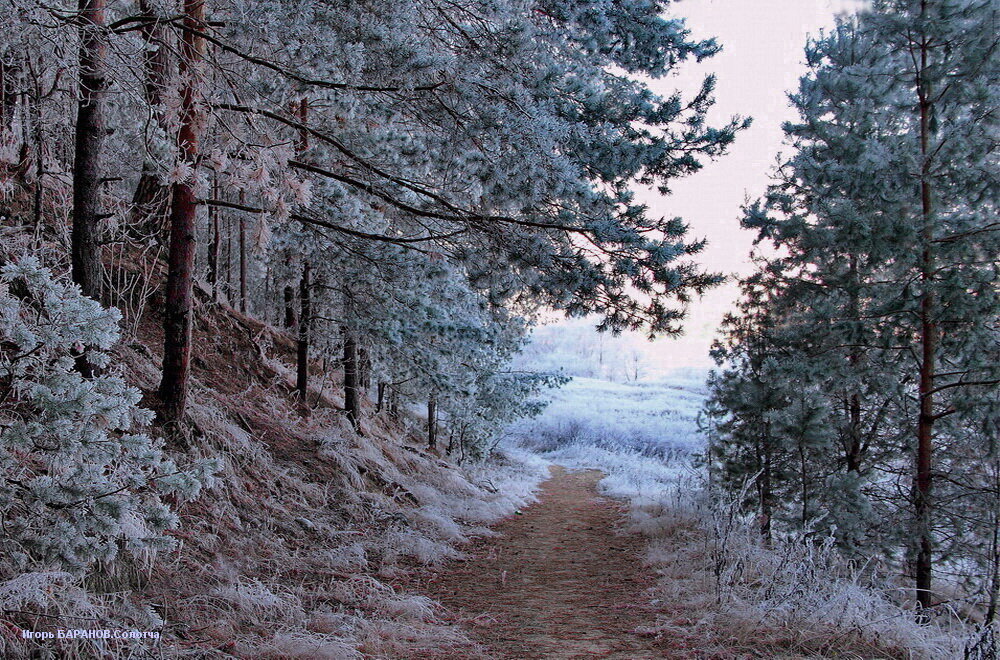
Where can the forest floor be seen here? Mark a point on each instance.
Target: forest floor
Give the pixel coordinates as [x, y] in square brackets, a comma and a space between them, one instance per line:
[561, 580]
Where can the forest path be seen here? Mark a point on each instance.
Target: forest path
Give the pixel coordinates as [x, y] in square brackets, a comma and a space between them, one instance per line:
[559, 581]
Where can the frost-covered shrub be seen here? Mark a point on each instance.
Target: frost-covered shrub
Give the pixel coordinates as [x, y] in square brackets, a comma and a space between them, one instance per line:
[80, 483]
[800, 583]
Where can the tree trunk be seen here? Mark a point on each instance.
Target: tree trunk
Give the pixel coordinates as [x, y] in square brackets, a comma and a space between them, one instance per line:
[305, 312]
[302, 144]
[89, 142]
[215, 250]
[229, 257]
[352, 399]
[178, 312]
[305, 316]
[289, 294]
[85, 236]
[394, 403]
[8, 105]
[803, 471]
[764, 489]
[381, 397]
[243, 265]
[994, 583]
[38, 147]
[8, 95]
[151, 198]
[855, 446]
[928, 348]
[266, 294]
[432, 423]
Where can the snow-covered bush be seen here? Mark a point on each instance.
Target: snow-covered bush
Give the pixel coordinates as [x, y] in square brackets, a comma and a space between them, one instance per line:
[80, 483]
[801, 587]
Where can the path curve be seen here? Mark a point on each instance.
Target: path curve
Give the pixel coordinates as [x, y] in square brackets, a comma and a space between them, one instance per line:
[559, 581]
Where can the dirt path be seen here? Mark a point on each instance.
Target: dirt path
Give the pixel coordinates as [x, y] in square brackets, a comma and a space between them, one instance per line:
[558, 582]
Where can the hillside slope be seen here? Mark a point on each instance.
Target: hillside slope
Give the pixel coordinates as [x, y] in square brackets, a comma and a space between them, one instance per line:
[288, 553]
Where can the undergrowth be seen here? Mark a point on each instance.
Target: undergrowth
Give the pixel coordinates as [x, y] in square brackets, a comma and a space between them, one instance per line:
[722, 591]
[292, 552]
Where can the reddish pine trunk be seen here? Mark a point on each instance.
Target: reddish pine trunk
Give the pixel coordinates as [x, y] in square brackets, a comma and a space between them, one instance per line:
[178, 311]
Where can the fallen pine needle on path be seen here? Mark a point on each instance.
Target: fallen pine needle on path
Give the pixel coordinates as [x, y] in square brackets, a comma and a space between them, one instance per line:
[559, 581]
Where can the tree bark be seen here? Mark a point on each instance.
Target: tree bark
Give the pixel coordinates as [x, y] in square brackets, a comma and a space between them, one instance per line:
[352, 399]
[394, 403]
[432, 423]
[928, 348]
[994, 589]
[8, 95]
[151, 198]
[381, 397]
[215, 250]
[85, 238]
[854, 446]
[38, 147]
[804, 474]
[229, 257]
[177, 321]
[305, 316]
[243, 265]
[305, 312]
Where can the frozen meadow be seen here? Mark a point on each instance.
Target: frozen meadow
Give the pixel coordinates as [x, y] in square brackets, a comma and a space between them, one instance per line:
[718, 584]
[642, 435]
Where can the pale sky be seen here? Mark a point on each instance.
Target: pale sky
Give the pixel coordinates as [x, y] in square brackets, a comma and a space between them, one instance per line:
[761, 61]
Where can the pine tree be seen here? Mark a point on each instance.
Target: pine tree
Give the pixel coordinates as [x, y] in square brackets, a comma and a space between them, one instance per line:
[90, 132]
[179, 307]
[885, 217]
[82, 481]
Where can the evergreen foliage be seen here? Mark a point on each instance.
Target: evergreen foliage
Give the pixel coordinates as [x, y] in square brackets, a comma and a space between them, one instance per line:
[402, 187]
[861, 375]
[82, 481]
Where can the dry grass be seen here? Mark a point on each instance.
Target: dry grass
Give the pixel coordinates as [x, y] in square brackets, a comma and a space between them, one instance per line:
[720, 585]
[288, 554]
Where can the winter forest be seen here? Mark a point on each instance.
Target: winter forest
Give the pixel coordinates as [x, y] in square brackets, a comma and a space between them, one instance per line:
[499, 329]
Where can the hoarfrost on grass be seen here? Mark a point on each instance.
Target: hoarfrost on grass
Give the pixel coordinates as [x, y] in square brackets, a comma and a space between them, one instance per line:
[734, 588]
